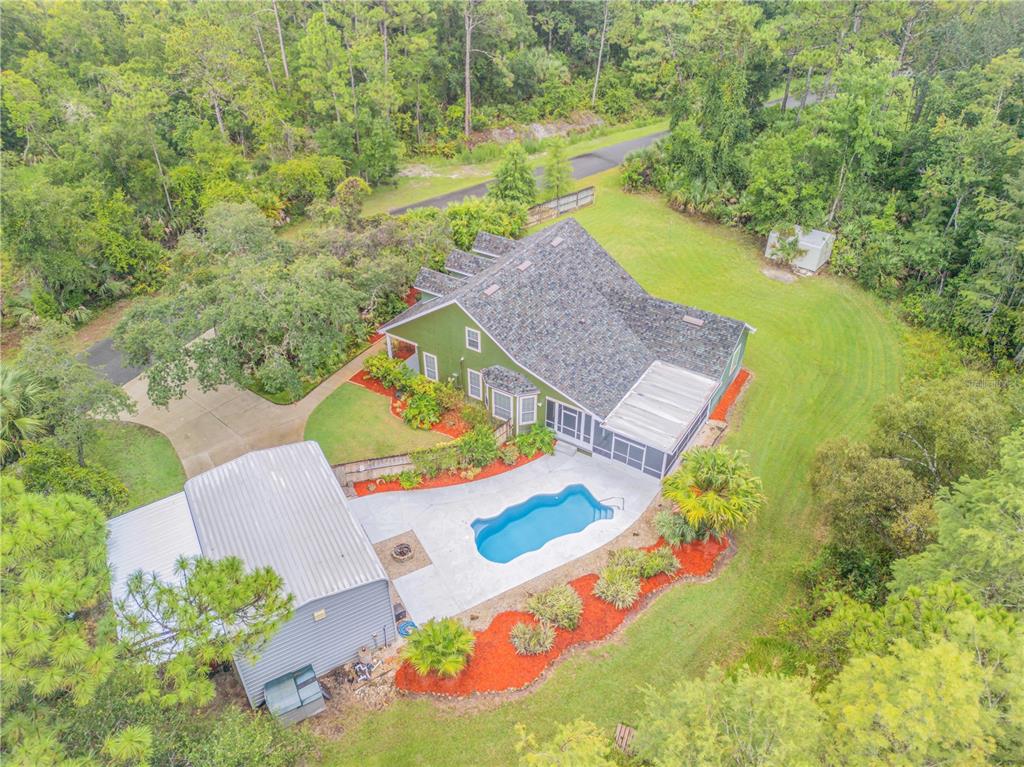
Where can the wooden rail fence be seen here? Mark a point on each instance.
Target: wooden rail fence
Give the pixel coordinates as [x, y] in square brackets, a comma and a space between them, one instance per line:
[561, 205]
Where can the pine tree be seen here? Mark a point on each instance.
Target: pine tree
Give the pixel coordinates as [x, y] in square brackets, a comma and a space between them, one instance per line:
[557, 172]
[514, 181]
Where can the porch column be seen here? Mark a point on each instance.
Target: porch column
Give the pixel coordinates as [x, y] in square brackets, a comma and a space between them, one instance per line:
[387, 340]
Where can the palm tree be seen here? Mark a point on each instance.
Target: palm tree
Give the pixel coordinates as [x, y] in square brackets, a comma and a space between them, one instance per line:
[442, 646]
[19, 411]
[714, 490]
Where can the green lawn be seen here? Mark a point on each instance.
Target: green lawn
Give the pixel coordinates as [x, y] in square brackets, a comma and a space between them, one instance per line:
[142, 458]
[354, 423]
[824, 353]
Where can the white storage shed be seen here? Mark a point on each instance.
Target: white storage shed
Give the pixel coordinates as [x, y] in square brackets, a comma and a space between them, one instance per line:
[815, 249]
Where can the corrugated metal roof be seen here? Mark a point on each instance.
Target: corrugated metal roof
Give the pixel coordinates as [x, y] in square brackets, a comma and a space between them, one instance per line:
[150, 538]
[283, 508]
[658, 410]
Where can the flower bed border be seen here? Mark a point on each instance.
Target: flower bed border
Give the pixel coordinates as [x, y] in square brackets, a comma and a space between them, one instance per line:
[445, 479]
[599, 621]
[721, 411]
[454, 428]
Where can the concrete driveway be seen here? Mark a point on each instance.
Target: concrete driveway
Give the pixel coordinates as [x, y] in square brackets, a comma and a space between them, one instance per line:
[211, 428]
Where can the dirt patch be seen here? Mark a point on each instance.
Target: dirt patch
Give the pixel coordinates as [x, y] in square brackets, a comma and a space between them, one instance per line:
[576, 123]
[778, 273]
[422, 170]
[394, 568]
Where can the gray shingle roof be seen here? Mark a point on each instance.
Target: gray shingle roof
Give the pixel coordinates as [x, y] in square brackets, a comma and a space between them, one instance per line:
[436, 283]
[493, 245]
[509, 381]
[576, 319]
[466, 263]
[283, 507]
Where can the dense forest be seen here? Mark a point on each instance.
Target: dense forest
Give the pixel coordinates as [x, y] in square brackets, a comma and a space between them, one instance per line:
[158, 150]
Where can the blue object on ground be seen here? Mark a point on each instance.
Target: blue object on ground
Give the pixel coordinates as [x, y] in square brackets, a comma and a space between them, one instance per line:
[529, 525]
[405, 628]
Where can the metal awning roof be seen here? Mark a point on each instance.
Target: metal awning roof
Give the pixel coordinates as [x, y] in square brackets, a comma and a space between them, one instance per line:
[151, 539]
[660, 407]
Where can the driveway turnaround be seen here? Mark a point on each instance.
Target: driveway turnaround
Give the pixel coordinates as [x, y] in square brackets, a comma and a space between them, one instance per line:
[458, 577]
[583, 165]
[211, 428]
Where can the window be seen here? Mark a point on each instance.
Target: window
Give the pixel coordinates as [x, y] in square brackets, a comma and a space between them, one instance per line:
[430, 366]
[474, 384]
[528, 410]
[501, 405]
[472, 339]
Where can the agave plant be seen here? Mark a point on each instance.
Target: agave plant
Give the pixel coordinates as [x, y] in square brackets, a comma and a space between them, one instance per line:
[19, 411]
[714, 489]
[439, 646]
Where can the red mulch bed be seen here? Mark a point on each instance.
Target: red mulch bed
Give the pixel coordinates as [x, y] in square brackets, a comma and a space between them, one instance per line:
[722, 408]
[495, 666]
[444, 480]
[451, 424]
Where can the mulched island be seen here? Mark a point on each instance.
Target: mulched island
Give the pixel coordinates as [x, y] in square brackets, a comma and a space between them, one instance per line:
[495, 665]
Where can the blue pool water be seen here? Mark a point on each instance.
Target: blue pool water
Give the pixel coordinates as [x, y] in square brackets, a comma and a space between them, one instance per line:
[529, 525]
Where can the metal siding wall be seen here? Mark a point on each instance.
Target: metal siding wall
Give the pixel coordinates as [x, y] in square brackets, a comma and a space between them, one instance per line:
[352, 619]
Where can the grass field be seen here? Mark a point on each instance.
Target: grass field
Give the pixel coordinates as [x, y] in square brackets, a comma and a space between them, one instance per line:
[142, 458]
[824, 353]
[354, 423]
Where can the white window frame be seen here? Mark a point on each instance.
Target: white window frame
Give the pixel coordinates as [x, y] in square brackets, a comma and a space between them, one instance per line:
[479, 339]
[528, 409]
[427, 358]
[472, 375]
[494, 402]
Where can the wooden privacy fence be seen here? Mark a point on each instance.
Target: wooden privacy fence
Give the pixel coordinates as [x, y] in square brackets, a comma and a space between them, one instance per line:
[560, 205]
[375, 468]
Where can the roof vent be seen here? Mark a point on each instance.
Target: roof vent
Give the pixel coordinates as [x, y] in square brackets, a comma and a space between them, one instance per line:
[697, 322]
[490, 290]
[524, 266]
[556, 242]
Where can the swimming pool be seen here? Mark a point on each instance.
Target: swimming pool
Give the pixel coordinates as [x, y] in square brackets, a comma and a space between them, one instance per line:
[529, 525]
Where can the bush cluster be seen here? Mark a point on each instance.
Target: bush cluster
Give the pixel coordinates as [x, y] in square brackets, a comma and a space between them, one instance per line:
[473, 450]
[560, 606]
[532, 638]
[539, 439]
[49, 469]
[619, 586]
[426, 400]
[674, 528]
[441, 646]
[644, 564]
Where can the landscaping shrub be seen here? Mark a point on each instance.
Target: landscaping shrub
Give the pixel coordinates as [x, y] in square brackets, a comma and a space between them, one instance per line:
[422, 411]
[532, 639]
[475, 415]
[390, 372]
[538, 439]
[431, 461]
[448, 397]
[618, 586]
[47, 468]
[509, 454]
[657, 561]
[439, 646]
[477, 447]
[560, 606]
[409, 479]
[674, 528]
[631, 560]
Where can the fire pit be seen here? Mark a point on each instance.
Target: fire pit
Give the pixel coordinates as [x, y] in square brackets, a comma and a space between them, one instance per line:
[402, 552]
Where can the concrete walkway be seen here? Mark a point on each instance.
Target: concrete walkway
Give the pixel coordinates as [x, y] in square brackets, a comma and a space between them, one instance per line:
[211, 428]
[459, 577]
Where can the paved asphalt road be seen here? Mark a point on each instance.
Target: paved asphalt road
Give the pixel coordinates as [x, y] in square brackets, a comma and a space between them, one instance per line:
[582, 166]
[103, 357]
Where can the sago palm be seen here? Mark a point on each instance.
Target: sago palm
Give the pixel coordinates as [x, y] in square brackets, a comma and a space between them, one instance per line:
[714, 489]
[439, 646]
[20, 419]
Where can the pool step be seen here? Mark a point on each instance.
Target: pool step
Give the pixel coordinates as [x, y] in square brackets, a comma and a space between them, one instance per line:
[564, 448]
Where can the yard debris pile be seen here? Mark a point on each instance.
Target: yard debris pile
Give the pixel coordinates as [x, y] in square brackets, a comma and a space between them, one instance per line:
[721, 410]
[447, 479]
[495, 665]
[451, 424]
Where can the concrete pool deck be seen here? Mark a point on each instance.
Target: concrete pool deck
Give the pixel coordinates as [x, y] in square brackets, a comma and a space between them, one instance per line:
[458, 577]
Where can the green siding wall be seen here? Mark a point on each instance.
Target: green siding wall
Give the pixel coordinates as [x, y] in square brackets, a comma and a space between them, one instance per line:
[443, 334]
[732, 371]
